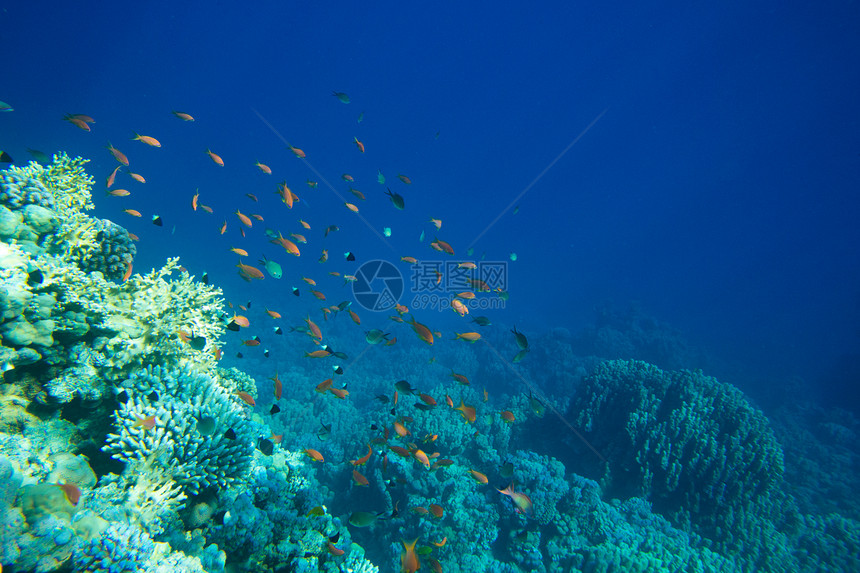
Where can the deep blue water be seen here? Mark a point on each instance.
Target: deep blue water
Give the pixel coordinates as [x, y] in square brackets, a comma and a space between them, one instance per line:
[698, 163]
[718, 189]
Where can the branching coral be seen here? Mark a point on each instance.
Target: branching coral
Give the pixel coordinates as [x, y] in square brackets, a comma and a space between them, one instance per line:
[187, 436]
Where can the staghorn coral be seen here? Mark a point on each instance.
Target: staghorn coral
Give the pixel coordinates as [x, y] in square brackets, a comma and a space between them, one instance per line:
[188, 440]
[121, 548]
[140, 317]
[67, 180]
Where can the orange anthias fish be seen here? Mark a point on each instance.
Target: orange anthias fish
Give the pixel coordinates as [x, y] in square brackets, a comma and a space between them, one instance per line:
[246, 398]
[216, 158]
[147, 423]
[313, 329]
[112, 177]
[287, 244]
[298, 152]
[78, 122]
[359, 479]
[468, 336]
[137, 177]
[422, 331]
[359, 144]
[408, 558]
[118, 155]
[150, 141]
[248, 272]
[244, 218]
[279, 386]
[468, 412]
[478, 476]
[264, 168]
[341, 393]
[119, 192]
[363, 459]
[522, 501]
[273, 313]
[132, 212]
[183, 116]
[314, 455]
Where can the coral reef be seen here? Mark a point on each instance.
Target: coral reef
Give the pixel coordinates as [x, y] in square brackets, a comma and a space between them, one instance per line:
[189, 417]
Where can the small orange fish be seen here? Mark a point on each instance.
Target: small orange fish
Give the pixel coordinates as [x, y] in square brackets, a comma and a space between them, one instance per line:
[147, 423]
[119, 192]
[311, 282]
[117, 154]
[468, 336]
[251, 342]
[216, 158]
[273, 313]
[441, 543]
[323, 387]
[334, 550]
[241, 321]
[72, 493]
[298, 152]
[137, 177]
[402, 452]
[249, 272]
[276, 438]
[410, 260]
[252, 197]
[436, 510]
[246, 398]
[132, 212]
[240, 252]
[150, 141]
[318, 354]
[467, 265]
[437, 223]
[257, 217]
[422, 458]
[408, 558]
[112, 177]
[359, 479]
[194, 200]
[314, 455]
[363, 459]
[359, 144]
[443, 247]
[133, 237]
[264, 168]
[299, 238]
[401, 430]
[304, 224]
[287, 244]
[479, 477]
[183, 116]
[223, 228]
[449, 401]
[355, 318]
[427, 399]
[339, 392]
[127, 273]
[466, 295]
[279, 386]
[486, 395]
[347, 177]
[351, 207]
[405, 179]
[318, 294]
[77, 122]
[244, 218]
[313, 329]
[521, 500]
[508, 416]
[468, 412]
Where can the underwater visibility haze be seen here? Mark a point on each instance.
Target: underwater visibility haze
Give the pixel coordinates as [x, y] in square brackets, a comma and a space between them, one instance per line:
[362, 287]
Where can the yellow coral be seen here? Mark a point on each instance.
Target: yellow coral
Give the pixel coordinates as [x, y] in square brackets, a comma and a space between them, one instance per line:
[67, 179]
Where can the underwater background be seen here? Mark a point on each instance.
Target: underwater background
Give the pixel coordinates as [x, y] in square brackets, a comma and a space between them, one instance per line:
[543, 287]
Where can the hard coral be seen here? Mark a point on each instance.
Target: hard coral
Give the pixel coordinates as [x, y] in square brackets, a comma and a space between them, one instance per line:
[189, 438]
